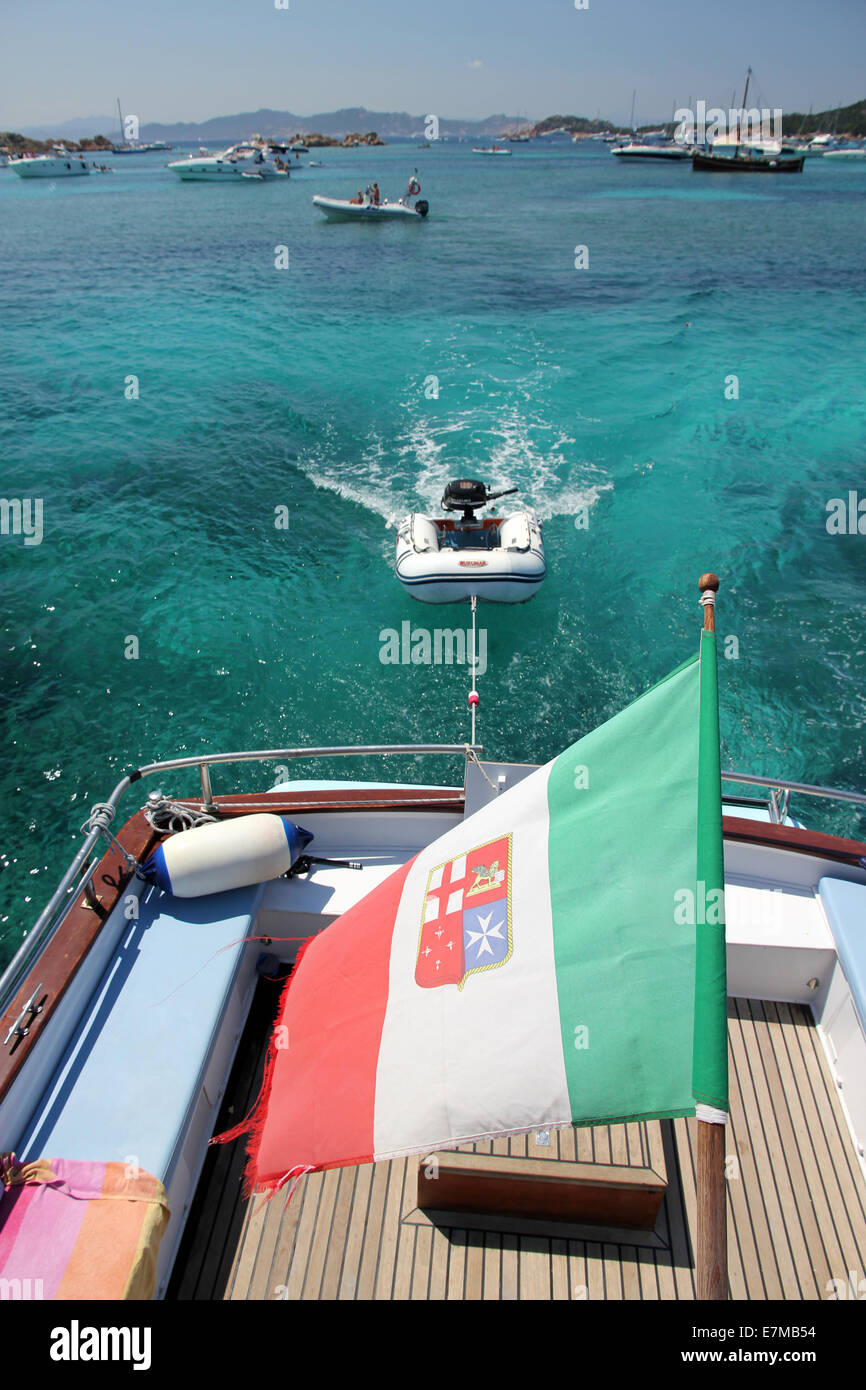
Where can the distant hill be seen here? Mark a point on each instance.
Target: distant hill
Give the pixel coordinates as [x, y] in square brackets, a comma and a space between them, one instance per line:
[574, 125]
[846, 120]
[280, 124]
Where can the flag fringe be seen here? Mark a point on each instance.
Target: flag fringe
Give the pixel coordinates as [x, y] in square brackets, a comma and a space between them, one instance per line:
[254, 1123]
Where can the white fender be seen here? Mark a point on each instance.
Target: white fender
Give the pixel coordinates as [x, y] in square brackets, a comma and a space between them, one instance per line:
[226, 854]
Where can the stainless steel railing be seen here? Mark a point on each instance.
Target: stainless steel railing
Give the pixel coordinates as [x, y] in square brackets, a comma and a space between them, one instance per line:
[78, 877]
[780, 792]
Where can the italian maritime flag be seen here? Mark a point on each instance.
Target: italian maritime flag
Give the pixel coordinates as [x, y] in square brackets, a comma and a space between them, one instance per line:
[556, 959]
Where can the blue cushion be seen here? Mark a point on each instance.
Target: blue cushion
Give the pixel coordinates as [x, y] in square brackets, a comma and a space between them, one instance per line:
[845, 905]
[131, 1074]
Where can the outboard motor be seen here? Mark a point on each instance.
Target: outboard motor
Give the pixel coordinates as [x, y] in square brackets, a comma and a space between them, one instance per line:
[467, 495]
[422, 207]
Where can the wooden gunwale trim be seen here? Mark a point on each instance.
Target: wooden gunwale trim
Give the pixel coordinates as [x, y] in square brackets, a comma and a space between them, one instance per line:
[791, 837]
[57, 964]
[349, 799]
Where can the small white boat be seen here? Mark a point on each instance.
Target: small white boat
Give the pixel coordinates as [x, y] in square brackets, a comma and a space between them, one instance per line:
[491, 149]
[494, 559]
[668, 150]
[60, 164]
[409, 208]
[250, 159]
[849, 152]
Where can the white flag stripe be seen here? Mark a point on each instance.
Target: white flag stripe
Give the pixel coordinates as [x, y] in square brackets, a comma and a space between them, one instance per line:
[488, 1058]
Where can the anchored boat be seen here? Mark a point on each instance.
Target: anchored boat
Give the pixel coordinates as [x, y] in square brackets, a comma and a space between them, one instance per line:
[446, 559]
[646, 149]
[60, 164]
[255, 159]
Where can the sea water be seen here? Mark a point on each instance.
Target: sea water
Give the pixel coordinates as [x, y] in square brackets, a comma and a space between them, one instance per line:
[224, 404]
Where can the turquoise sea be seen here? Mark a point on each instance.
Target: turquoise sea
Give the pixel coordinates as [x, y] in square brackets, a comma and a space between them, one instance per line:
[310, 388]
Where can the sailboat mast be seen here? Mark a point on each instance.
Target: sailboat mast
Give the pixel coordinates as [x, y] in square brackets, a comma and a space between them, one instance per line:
[633, 95]
[120, 119]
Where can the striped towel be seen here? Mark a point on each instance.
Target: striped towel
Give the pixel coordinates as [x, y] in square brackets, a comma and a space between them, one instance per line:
[71, 1229]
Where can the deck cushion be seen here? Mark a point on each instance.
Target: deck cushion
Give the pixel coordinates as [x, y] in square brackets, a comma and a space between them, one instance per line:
[845, 905]
[133, 1071]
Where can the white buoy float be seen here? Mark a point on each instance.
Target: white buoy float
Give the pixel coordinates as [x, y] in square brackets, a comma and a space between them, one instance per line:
[226, 854]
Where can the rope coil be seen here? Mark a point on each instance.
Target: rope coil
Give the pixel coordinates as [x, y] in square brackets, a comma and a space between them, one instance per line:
[165, 815]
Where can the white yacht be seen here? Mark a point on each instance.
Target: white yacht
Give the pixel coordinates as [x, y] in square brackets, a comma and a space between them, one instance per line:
[60, 164]
[249, 159]
[648, 149]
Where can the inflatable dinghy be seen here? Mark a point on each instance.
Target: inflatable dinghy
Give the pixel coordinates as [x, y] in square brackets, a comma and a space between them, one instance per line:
[494, 559]
[409, 208]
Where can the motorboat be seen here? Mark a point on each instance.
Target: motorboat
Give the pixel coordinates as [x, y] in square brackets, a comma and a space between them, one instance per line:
[847, 152]
[490, 149]
[138, 1021]
[494, 559]
[409, 208]
[821, 145]
[60, 164]
[250, 159]
[648, 150]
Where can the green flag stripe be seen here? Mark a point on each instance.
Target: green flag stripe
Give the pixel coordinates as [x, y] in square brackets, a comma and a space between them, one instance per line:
[710, 1081]
[622, 844]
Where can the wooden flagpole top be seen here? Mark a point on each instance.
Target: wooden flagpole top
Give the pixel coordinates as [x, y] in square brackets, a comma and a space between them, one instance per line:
[709, 587]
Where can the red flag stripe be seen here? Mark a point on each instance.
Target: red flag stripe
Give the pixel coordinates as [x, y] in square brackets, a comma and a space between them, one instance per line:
[321, 1089]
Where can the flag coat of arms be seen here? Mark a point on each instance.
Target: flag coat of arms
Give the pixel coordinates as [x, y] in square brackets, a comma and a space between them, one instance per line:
[533, 967]
[466, 921]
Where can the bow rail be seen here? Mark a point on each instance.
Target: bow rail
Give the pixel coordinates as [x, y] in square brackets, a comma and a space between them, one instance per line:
[79, 873]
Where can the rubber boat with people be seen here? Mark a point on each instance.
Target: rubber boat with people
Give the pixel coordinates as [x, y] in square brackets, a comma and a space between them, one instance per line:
[366, 207]
[418, 1084]
[447, 559]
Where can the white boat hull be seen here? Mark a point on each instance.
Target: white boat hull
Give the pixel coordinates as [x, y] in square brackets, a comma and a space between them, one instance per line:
[223, 171]
[49, 166]
[493, 575]
[671, 152]
[341, 210]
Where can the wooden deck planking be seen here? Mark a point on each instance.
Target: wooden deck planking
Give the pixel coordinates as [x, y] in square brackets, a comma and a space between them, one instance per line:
[796, 1208]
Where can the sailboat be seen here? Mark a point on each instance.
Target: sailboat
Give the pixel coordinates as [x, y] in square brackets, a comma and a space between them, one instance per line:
[731, 154]
[125, 146]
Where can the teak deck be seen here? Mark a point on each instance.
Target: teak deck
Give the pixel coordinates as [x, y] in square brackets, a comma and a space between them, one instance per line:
[796, 1204]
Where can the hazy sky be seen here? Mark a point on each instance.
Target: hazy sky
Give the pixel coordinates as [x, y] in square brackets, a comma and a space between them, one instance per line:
[172, 60]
